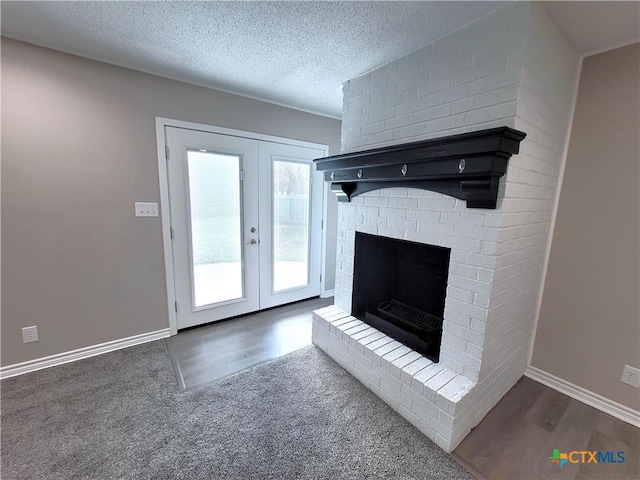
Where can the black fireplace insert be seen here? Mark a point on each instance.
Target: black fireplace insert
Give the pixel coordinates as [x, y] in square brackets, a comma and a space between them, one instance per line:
[399, 287]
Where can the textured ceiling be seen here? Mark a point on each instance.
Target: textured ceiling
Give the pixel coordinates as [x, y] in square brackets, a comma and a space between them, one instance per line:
[294, 53]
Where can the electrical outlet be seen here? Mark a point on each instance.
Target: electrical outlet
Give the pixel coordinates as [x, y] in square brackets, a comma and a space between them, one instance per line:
[145, 209]
[30, 334]
[631, 376]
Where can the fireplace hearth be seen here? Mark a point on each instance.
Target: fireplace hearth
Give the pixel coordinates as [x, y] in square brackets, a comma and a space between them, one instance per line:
[400, 289]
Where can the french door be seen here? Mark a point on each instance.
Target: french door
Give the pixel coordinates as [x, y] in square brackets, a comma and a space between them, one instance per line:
[245, 224]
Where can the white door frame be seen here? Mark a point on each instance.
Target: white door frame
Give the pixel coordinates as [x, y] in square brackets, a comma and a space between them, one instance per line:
[165, 217]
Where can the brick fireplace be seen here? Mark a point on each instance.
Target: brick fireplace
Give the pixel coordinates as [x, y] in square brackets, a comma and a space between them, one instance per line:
[512, 68]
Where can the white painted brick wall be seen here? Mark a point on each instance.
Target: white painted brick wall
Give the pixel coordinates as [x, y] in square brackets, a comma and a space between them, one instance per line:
[511, 68]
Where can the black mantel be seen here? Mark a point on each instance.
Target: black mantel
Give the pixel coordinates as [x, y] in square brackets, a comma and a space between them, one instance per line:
[466, 166]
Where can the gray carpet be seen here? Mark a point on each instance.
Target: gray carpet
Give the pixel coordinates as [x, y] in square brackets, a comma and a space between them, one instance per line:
[121, 415]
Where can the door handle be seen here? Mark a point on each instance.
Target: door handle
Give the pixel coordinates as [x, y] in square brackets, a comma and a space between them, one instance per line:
[252, 242]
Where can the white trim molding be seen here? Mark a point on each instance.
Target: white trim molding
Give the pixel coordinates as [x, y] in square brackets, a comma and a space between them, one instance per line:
[594, 400]
[327, 293]
[165, 219]
[79, 354]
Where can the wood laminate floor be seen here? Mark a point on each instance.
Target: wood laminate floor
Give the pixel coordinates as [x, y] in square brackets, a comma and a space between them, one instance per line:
[201, 355]
[517, 437]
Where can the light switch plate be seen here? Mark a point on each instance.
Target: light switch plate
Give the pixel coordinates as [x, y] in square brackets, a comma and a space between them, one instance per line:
[631, 376]
[30, 334]
[145, 209]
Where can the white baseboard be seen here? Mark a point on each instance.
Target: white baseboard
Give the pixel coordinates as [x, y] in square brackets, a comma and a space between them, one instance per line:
[86, 352]
[327, 293]
[594, 400]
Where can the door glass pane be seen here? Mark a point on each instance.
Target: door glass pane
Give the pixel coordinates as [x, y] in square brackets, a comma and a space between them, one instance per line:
[216, 233]
[291, 182]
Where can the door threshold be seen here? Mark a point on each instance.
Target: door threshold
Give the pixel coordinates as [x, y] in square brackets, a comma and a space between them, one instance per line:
[255, 312]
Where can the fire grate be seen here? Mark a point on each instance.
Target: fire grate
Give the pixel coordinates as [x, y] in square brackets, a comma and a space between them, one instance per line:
[408, 325]
[411, 318]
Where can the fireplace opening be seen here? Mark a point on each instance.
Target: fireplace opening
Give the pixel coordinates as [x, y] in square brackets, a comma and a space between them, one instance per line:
[399, 287]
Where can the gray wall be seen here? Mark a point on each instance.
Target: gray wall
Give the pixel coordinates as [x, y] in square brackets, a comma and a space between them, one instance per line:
[589, 325]
[78, 149]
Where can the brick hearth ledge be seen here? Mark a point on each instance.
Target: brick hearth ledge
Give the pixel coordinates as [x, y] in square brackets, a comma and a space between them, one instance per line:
[434, 399]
